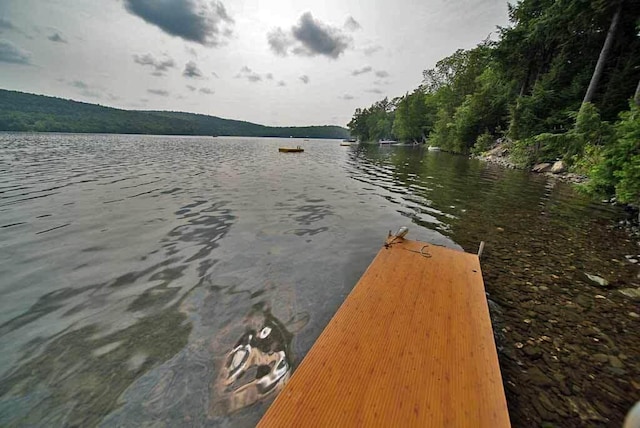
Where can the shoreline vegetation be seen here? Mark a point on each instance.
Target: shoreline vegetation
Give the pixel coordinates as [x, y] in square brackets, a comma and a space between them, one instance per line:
[24, 112]
[560, 83]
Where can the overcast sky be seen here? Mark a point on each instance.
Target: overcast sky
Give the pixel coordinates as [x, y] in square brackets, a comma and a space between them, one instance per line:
[278, 62]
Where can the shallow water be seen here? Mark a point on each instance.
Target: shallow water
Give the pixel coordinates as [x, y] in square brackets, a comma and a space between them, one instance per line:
[149, 279]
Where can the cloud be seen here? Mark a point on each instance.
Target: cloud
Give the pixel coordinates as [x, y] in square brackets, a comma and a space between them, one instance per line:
[309, 38]
[346, 97]
[160, 66]
[351, 24]
[362, 70]
[249, 74]
[269, 76]
[159, 92]
[370, 50]
[318, 38]
[13, 54]
[56, 37]
[191, 70]
[79, 84]
[199, 21]
[382, 74]
[381, 82]
[191, 88]
[304, 78]
[279, 41]
[282, 83]
[91, 94]
[5, 24]
[374, 91]
[86, 89]
[207, 91]
[214, 74]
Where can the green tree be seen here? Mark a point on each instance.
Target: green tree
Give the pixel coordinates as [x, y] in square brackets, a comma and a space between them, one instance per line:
[616, 168]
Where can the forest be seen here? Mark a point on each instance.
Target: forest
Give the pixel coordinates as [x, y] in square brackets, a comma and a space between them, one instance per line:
[562, 81]
[20, 111]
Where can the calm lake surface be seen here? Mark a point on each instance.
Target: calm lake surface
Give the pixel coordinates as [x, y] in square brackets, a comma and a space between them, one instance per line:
[138, 272]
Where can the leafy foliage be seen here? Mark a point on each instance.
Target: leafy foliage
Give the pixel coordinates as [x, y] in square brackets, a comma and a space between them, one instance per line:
[373, 123]
[615, 168]
[483, 143]
[529, 86]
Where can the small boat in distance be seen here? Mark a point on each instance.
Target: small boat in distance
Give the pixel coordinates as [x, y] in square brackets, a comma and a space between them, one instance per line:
[433, 149]
[388, 142]
[291, 149]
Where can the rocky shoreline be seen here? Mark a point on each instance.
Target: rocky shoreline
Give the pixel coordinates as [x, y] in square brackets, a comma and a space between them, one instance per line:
[566, 338]
[557, 169]
[565, 304]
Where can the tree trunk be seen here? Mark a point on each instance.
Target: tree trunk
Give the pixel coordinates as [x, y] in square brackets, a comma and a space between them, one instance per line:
[526, 81]
[604, 53]
[636, 98]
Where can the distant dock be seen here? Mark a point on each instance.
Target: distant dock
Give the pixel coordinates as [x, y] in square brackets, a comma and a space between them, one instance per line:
[411, 346]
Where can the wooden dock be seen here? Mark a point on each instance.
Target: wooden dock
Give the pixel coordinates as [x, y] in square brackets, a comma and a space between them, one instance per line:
[412, 345]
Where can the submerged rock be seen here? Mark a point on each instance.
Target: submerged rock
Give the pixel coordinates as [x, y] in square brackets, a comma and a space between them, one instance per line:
[583, 409]
[601, 358]
[633, 293]
[615, 362]
[537, 377]
[597, 280]
[533, 352]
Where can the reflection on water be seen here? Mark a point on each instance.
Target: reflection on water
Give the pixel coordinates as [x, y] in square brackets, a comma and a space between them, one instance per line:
[77, 378]
[180, 280]
[541, 239]
[258, 365]
[82, 343]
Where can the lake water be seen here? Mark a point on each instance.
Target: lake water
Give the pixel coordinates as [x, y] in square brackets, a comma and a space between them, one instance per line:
[152, 280]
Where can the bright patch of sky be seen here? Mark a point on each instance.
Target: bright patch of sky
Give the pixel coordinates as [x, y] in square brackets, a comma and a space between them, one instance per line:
[282, 62]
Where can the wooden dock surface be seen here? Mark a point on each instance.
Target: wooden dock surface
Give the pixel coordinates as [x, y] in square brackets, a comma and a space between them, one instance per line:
[412, 345]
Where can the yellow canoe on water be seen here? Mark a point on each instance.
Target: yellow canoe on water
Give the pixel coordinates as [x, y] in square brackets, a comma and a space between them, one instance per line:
[291, 149]
[411, 346]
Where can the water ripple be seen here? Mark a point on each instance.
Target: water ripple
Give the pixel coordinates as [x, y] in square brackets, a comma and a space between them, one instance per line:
[137, 270]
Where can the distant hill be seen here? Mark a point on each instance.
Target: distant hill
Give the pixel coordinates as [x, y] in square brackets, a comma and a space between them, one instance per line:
[21, 111]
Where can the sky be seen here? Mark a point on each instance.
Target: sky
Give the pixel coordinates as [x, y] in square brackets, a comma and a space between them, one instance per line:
[278, 62]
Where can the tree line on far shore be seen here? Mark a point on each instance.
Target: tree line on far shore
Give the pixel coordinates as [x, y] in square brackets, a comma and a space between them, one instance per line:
[20, 111]
[561, 82]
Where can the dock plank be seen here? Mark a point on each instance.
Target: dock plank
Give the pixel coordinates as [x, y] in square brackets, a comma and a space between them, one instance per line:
[412, 345]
